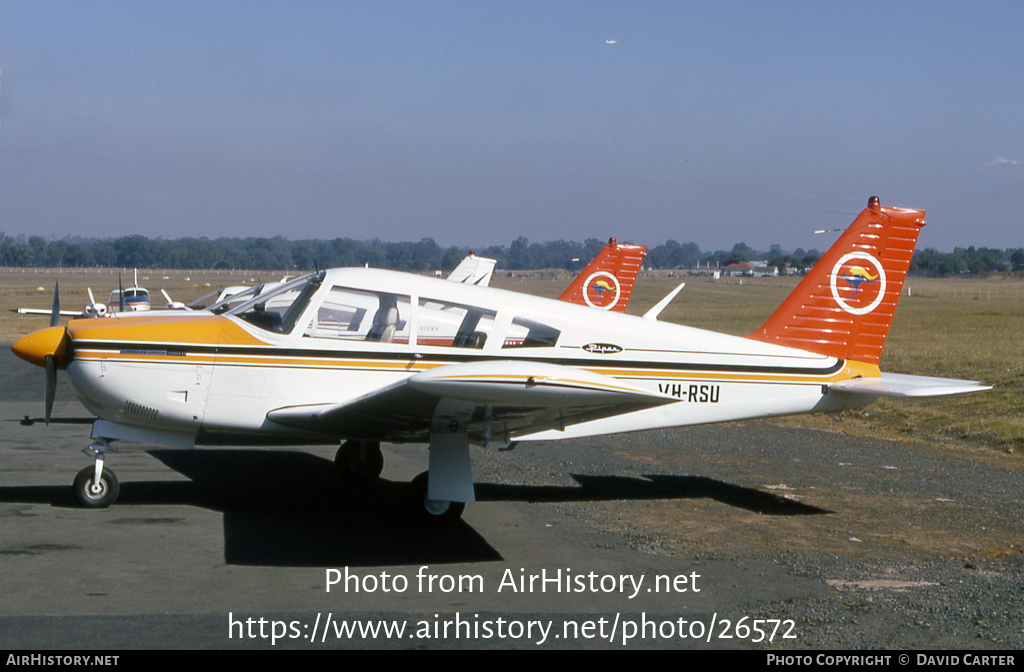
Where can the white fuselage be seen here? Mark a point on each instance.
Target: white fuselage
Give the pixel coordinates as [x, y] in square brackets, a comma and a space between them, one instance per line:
[216, 378]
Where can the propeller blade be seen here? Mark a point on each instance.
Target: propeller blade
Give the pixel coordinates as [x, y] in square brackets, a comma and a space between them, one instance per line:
[92, 299]
[120, 291]
[50, 391]
[55, 311]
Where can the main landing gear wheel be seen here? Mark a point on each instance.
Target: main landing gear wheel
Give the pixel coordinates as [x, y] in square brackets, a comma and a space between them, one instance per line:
[96, 495]
[359, 461]
[431, 512]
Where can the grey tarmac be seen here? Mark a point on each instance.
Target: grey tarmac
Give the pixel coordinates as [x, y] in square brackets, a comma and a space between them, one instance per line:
[859, 542]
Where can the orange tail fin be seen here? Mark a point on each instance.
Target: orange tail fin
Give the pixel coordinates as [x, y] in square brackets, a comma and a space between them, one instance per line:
[844, 306]
[607, 282]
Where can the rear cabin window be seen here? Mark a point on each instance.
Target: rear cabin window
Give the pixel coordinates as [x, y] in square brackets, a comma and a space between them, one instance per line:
[452, 325]
[523, 333]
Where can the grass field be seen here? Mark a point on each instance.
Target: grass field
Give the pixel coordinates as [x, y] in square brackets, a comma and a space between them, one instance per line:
[957, 328]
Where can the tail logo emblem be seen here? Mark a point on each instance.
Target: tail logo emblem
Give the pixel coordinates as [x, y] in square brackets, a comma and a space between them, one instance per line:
[601, 290]
[857, 276]
[858, 283]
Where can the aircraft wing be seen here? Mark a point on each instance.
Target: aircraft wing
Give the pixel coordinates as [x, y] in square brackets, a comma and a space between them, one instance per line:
[491, 401]
[41, 311]
[902, 385]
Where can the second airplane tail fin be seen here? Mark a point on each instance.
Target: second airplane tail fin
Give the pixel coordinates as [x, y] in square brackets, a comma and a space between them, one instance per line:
[844, 306]
[474, 270]
[607, 282]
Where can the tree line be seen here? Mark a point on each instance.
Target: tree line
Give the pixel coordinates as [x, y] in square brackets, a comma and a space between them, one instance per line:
[278, 253]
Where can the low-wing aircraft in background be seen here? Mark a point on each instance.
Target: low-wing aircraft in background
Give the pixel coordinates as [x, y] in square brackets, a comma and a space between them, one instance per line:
[131, 300]
[134, 299]
[364, 356]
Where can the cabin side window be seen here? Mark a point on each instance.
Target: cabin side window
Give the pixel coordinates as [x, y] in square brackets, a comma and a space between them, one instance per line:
[452, 325]
[358, 315]
[523, 333]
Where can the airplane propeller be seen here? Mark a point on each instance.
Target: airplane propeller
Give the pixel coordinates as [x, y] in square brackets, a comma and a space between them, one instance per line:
[50, 389]
[95, 309]
[55, 311]
[171, 303]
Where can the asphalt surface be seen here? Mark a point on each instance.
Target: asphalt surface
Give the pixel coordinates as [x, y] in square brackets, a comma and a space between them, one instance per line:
[700, 537]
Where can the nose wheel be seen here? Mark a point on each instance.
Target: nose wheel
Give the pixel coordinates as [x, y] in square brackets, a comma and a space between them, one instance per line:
[93, 492]
[96, 487]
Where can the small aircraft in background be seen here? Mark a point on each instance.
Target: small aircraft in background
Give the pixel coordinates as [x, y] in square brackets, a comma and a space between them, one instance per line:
[131, 300]
[134, 299]
[363, 356]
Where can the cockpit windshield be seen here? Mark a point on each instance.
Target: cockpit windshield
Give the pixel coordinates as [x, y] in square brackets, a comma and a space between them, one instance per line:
[277, 309]
[235, 300]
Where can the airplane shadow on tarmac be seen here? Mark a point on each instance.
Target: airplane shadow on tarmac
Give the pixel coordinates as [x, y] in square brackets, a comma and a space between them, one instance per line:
[287, 508]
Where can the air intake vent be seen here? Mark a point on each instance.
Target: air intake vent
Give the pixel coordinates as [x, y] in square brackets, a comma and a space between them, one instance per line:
[139, 410]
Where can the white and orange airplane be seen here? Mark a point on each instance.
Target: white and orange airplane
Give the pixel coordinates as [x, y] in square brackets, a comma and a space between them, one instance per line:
[364, 356]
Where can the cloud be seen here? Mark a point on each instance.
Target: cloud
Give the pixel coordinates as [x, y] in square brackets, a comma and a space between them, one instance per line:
[1003, 168]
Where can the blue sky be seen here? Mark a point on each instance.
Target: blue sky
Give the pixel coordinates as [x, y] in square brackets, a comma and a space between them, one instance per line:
[478, 122]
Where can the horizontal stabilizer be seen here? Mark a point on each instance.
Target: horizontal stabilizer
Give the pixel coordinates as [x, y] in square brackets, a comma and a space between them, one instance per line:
[902, 385]
[653, 313]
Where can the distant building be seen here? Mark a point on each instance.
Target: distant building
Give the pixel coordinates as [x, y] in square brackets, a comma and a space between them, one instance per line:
[738, 269]
[715, 273]
[756, 269]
